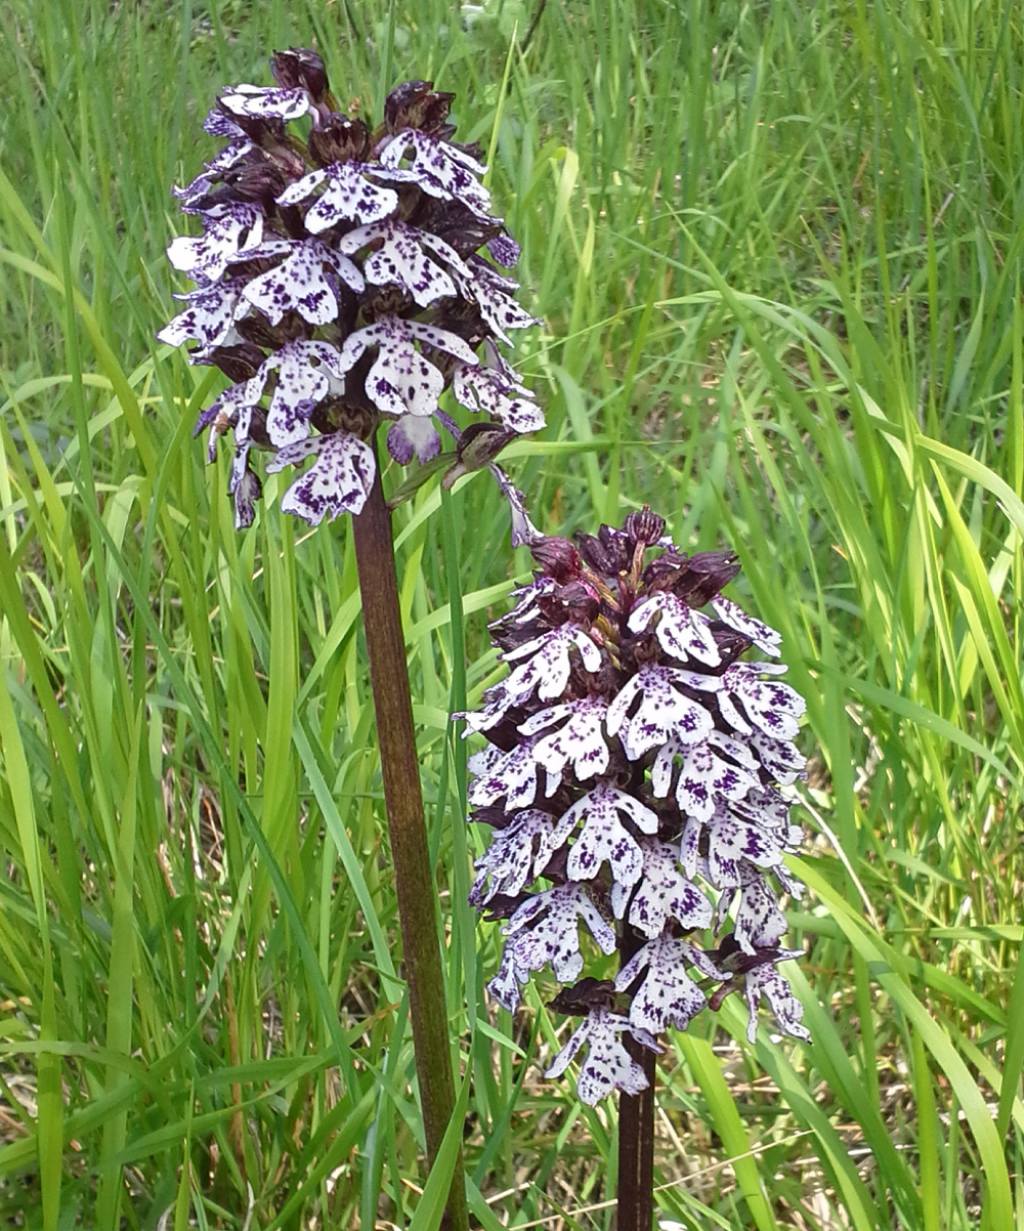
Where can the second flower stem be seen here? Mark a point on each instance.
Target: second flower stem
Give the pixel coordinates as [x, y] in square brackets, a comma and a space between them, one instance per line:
[636, 1130]
[414, 877]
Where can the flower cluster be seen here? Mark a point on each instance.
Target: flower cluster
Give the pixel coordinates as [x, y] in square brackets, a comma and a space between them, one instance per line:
[637, 762]
[342, 280]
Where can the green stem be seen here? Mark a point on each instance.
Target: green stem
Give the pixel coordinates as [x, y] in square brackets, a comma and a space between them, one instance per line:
[414, 877]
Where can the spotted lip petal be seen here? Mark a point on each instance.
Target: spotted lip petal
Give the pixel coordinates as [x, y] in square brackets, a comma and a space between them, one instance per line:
[760, 924]
[604, 837]
[579, 740]
[544, 931]
[704, 773]
[731, 843]
[768, 705]
[767, 640]
[668, 996]
[491, 293]
[442, 169]
[505, 985]
[765, 982]
[209, 318]
[518, 854]
[608, 1066]
[229, 230]
[514, 776]
[265, 103]
[402, 260]
[307, 372]
[549, 662]
[682, 632]
[338, 482]
[413, 436]
[401, 380]
[349, 194]
[490, 391]
[663, 711]
[302, 282]
[663, 893]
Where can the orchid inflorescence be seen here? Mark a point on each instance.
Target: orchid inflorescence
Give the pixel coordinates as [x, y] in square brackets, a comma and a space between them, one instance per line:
[633, 752]
[342, 282]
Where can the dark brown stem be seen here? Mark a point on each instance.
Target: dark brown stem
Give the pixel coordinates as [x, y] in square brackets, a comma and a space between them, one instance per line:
[414, 878]
[636, 1130]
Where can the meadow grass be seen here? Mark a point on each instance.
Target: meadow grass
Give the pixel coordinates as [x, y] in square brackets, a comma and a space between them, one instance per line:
[777, 250]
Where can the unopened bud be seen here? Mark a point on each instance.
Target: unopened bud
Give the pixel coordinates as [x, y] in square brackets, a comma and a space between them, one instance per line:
[300, 68]
[416, 104]
[336, 138]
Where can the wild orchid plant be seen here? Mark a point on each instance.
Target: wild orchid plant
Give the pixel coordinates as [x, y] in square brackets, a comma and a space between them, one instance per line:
[347, 275]
[637, 762]
[345, 281]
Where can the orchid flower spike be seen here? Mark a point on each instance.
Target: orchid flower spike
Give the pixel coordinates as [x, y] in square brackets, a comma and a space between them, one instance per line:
[346, 276]
[636, 780]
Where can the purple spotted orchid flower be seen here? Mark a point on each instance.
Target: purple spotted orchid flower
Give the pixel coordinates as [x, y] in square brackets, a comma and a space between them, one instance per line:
[344, 279]
[635, 779]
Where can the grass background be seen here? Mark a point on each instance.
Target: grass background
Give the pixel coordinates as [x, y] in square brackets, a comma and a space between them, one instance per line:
[777, 250]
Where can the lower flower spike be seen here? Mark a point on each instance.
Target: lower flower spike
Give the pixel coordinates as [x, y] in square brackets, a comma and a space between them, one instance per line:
[636, 778]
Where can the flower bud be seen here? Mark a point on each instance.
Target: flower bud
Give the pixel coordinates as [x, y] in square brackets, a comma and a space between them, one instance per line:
[645, 527]
[587, 994]
[416, 104]
[557, 557]
[238, 363]
[256, 180]
[336, 138]
[479, 445]
[300, 68]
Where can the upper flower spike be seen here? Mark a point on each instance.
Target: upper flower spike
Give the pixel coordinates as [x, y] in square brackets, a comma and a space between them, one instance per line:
[351, 261]
[637, 765]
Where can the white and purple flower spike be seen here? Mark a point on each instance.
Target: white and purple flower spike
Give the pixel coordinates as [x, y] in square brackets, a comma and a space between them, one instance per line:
[608, 1066]
[667, 752]
[347, 234]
